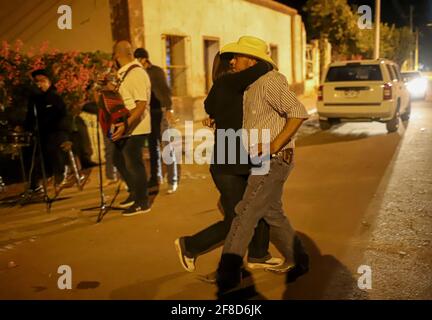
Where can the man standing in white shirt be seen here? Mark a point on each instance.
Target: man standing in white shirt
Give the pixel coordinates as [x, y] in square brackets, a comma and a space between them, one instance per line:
[129, 136]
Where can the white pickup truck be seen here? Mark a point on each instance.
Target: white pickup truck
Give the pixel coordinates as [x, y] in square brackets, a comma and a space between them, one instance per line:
[364, 90]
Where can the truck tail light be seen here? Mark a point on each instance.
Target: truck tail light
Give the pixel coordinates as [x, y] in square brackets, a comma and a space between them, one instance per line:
[387, 91]
[320, 93]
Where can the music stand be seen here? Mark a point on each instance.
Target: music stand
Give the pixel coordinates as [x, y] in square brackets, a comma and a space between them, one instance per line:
[103, 207]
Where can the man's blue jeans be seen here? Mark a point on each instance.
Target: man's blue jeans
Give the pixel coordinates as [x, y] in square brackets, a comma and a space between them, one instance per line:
[231, 188]
[128, 159]
[263, 200]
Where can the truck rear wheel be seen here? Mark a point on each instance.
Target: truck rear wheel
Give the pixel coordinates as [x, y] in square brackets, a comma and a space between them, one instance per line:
[325, 124]
[393, 124]
[406, 115]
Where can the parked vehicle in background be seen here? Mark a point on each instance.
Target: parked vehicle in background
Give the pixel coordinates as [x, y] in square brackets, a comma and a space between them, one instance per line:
[363, 90]
[416, 84]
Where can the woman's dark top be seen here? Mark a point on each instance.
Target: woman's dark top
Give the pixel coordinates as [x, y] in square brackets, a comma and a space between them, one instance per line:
[53, 118]
[224, 104]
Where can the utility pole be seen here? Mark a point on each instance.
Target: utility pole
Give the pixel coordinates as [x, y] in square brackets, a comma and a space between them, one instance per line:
[411, 17]
[377, 28]
[411, 61]
[416, 56]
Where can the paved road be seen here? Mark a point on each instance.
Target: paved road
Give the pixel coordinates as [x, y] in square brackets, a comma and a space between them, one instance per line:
[358, 196]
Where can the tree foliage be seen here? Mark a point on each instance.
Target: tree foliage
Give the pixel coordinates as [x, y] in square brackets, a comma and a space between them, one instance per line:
[334, 20]
[337, 21]
[71, 73]
[395, 43]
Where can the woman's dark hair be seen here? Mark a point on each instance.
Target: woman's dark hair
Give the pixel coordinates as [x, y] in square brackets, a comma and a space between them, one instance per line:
[221, 65]
[40, 72]
[269, 65]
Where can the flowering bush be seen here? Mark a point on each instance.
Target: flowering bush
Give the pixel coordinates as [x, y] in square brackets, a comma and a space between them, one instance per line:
[71, 72]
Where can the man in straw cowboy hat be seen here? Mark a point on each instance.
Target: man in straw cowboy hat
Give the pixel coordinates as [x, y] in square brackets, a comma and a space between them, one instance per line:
[268, 104]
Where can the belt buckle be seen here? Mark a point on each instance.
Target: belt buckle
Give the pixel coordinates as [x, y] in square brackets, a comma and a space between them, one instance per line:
[287, 155]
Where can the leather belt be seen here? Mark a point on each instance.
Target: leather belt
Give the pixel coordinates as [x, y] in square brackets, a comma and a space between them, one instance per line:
[286, 155]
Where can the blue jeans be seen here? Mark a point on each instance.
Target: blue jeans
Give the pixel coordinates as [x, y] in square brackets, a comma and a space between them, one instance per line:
[128, 159]
[263, 200]
[231, 188]
[159, 125]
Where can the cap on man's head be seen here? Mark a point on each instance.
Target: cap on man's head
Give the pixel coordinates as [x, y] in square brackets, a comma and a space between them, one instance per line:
[40, 72]
[141, 53]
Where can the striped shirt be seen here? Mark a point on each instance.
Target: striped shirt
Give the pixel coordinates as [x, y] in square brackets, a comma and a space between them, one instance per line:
[267, 104]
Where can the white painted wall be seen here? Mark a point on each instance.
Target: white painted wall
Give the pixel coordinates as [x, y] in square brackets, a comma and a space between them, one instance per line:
[36, 21]
[225, 19]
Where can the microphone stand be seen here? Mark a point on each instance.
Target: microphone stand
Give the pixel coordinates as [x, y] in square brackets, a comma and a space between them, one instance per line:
[103, 207]
[38, 145]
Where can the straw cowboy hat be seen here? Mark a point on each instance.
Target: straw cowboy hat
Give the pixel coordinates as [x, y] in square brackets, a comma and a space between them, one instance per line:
[250, 46]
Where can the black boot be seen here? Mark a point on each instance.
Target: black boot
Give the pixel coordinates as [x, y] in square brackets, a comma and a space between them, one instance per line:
[301, 260]
[229, 273]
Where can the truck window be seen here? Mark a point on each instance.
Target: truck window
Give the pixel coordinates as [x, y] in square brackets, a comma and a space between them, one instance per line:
[391, 72]
[396, 71]
[355, 72]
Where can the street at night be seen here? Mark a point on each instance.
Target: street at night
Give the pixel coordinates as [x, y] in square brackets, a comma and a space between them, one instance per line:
[215, 159]
[358, 195]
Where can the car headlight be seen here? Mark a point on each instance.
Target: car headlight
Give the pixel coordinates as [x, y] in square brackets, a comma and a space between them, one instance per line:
[417, 86]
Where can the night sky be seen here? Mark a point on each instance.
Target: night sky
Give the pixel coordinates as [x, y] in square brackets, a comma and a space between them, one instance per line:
[397, 12]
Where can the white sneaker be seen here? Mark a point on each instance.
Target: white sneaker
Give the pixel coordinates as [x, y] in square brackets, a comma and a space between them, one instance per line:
[280, 269]
[187, 263]
[172, 188]
[272, 262]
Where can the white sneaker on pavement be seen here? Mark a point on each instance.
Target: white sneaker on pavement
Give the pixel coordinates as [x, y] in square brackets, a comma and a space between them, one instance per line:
[272, 262]
[172, 188]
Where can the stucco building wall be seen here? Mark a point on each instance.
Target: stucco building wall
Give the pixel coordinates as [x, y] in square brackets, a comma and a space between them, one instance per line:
[225, 20]
[98, 23]
[34, 22]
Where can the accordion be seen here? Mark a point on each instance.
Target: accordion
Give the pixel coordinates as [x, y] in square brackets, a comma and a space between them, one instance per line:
[111, 106]
[111, 111]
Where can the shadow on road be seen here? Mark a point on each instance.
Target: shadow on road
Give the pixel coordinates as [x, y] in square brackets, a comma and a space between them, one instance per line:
[328, 278]
[146, 290]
